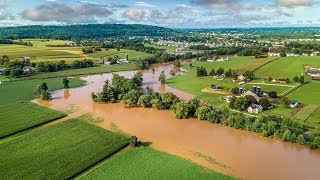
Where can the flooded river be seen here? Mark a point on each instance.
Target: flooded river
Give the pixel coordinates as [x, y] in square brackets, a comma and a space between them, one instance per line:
[242, 154]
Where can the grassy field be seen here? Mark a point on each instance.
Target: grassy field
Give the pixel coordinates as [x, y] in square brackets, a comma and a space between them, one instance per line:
[40, 52]
[306, 112]
[287, 67]
[21, 116]
[307, 94]
[147, 163]
[57, 152]
[13, 92]
[86, 71]
[168, 48]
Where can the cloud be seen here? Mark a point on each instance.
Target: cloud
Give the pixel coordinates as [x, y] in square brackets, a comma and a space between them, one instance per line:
[6, 16]
[295, 3]
[3, 4]
[52, 11]
[143, 4]
[216, 4]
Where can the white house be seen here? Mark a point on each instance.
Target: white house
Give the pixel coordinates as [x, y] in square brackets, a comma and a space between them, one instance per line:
[255, 108]
[241, 77]
[316, 53]
[274, 54]
[291, 55]
[28, 69]
[294, 104]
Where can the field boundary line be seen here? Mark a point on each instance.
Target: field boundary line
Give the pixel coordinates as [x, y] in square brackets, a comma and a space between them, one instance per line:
[293, 89]
[265, 64]
[268, 84]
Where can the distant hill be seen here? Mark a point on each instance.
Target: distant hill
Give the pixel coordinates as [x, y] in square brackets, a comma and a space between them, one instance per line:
[92, 31]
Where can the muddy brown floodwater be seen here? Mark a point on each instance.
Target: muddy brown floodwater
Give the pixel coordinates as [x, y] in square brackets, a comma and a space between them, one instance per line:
[239, 153]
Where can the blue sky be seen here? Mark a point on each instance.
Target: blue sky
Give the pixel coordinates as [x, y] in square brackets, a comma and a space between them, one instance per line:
[168, 13]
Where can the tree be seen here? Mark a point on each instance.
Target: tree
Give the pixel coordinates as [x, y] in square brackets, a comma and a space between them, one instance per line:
[229, 73]
[144, 101]
[65, 83]
[242, 103]
[162, 78]
[194, 104]
[301, 140]
[286, 136]
[131, 98]
[283, 54]
[235, 90]
[220, 71]
[133, 141]
[212, 72]
[137, 79]
[169, 99]
[251, 99]
[249, 74]
[296, 79]
[181, 110]
[273, 94]
[301, 80]
[264, 102]
[285, 101]
[203, 111]
[177, 63]
[42, 91]
[201, 71]
[172, 72]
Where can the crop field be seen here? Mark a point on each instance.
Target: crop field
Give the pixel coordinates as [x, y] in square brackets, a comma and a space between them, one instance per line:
[306, 112]
[255, 64]
[17, 91]
[287, 67]
[60, 151]
[307, 94]
[21, 116]
[40, 52]
[314, 120]
[147, 163]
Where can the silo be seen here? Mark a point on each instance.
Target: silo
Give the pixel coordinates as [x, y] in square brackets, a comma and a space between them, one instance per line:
[127, 57]
[258, 92]
[240, 90]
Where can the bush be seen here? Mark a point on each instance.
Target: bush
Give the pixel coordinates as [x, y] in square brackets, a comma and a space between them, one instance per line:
[264, 102]
[181, 110]
[144, 101]
[133, 141]
[273, 94]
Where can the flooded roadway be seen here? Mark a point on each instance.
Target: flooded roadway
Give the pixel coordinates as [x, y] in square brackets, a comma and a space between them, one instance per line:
[239, 153]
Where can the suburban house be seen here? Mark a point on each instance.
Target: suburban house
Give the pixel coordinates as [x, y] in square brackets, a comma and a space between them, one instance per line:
[255, 108]
[216, 87]
[249, 93]
[274, 54]
[316, 53]
[294, 104]
[292, 55]
[220, 77]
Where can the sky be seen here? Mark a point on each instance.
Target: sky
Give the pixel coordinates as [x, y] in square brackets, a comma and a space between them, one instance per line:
[167, 13]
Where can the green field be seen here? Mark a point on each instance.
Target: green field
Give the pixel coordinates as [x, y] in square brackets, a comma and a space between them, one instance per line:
[17, 91]
[314, 120]
[59, 151]
[21, 116]
[268, 88]
[147, 163]
[167, 48]
[307, 94]
[99, 69]
[306, 112]
[40, 52]
[287, 67]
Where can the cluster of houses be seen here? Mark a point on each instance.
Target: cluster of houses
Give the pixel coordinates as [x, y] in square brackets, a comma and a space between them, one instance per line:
[315, 53]
[182, 51]
[313, 72]
[279, 80]
[218, 59]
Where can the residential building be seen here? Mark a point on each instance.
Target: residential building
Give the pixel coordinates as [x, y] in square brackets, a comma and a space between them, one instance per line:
[255, 108]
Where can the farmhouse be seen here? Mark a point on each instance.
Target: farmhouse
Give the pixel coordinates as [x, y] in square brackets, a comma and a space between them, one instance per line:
[283, 81]
[274, 54]
[255, 108]
[292, 55]
[316, 53]
[220, 77]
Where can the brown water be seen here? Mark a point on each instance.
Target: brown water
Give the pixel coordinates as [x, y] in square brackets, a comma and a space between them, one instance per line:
[239, 153]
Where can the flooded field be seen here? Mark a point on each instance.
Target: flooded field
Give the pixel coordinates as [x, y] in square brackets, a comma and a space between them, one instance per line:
[239, 153]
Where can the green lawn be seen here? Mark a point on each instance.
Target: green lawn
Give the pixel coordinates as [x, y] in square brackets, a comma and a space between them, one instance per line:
[60, 151]
[21, 116]
[17, 91]
[307, 94]
[147, 163]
